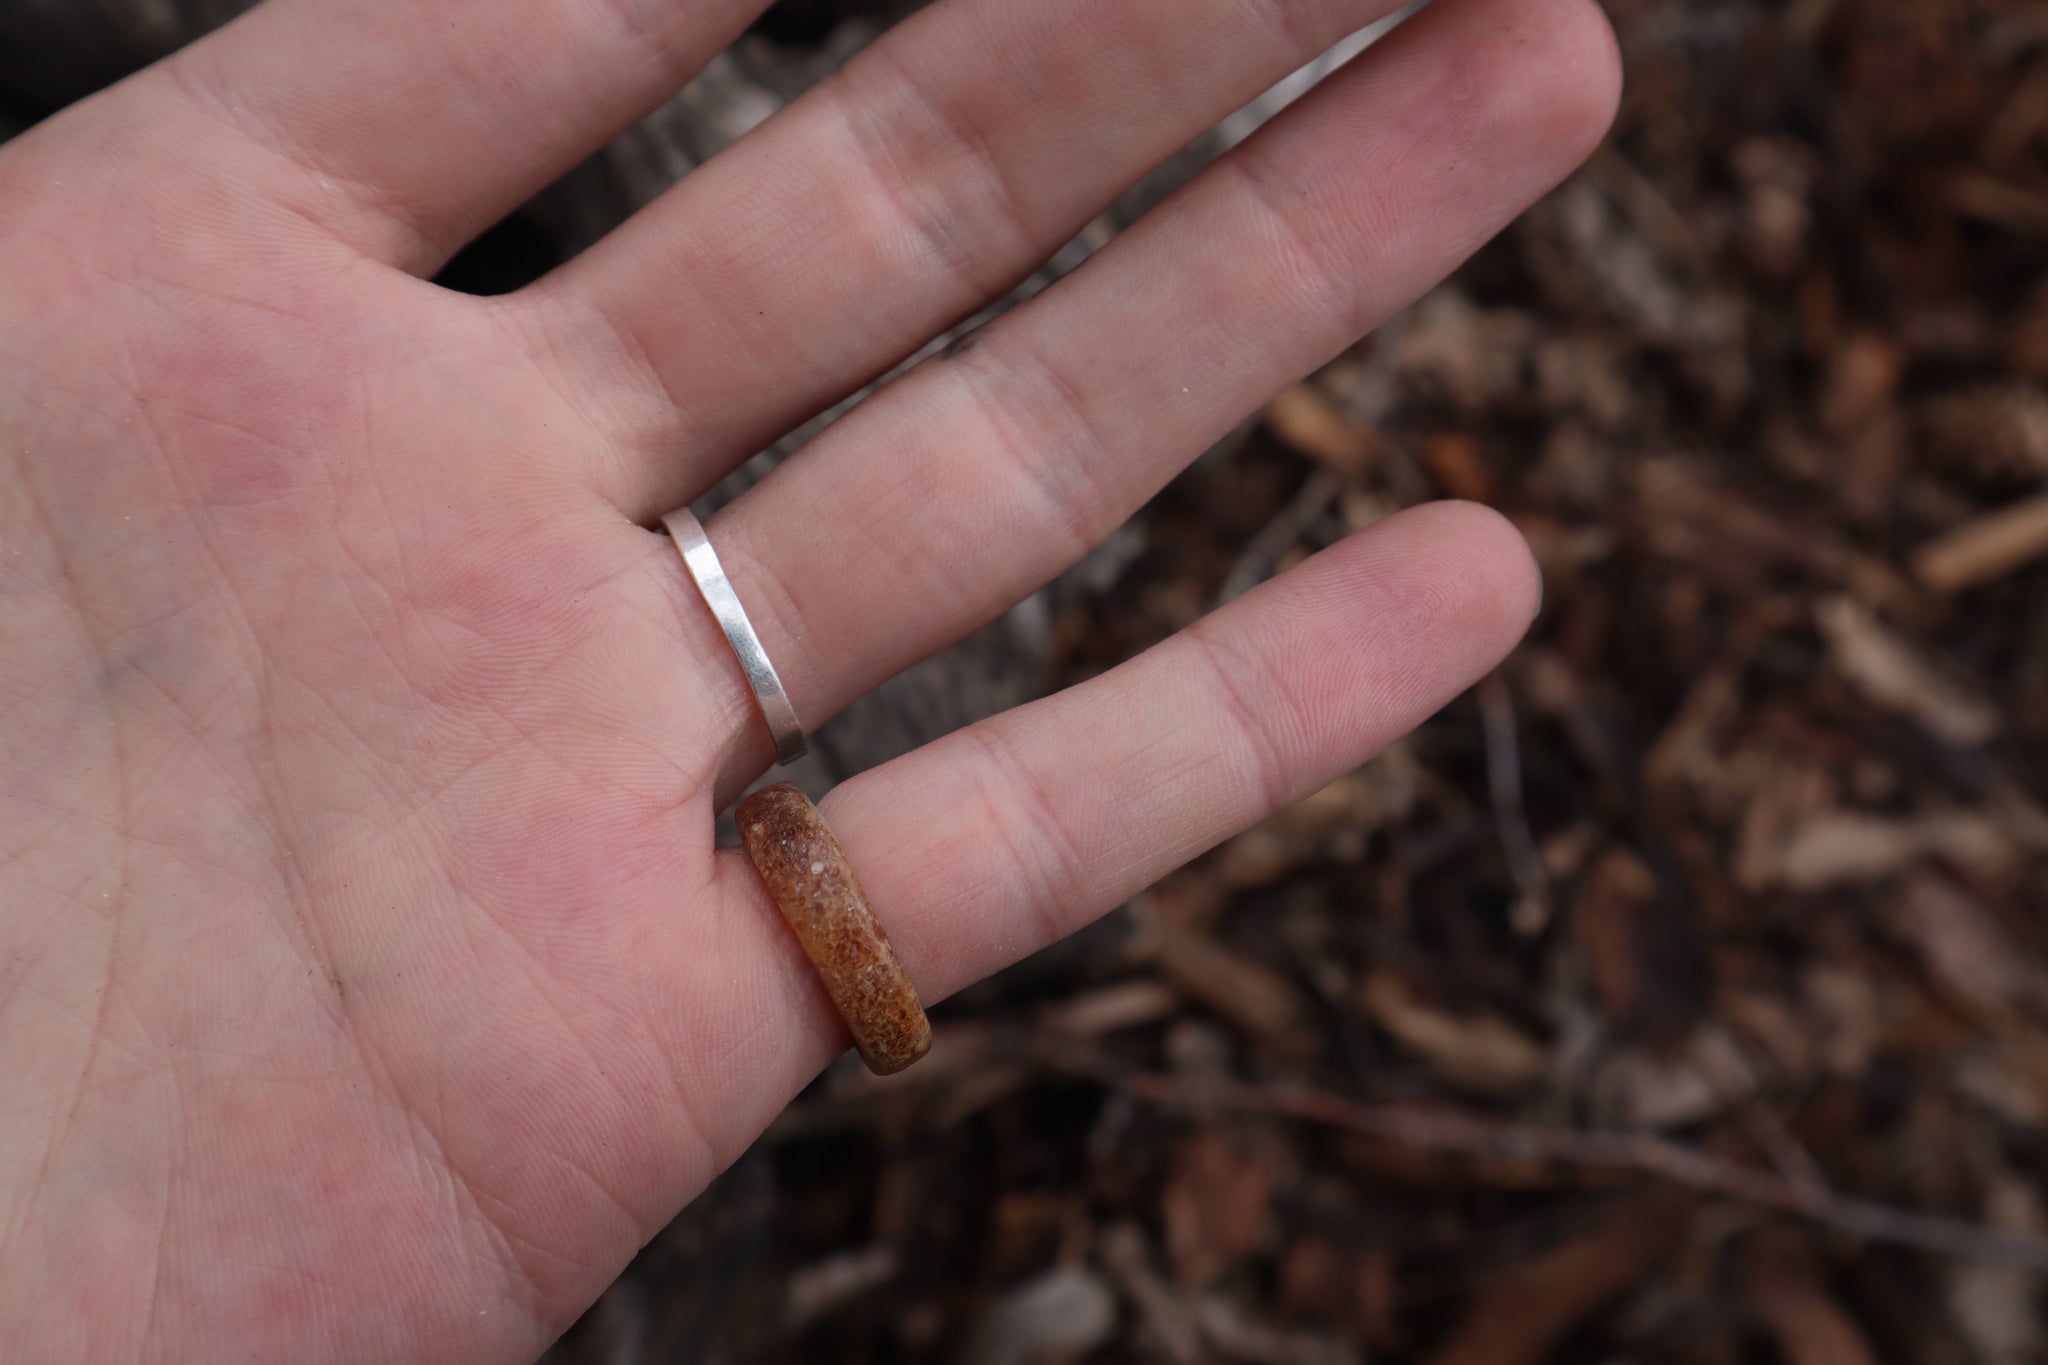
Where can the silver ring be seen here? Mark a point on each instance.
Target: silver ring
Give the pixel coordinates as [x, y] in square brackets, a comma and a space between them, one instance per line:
[702, 562]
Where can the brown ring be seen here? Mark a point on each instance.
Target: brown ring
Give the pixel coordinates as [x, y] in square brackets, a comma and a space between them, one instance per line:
[814, 887]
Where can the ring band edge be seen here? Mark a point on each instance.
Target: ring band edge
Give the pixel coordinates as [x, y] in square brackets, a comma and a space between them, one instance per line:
[714, 587]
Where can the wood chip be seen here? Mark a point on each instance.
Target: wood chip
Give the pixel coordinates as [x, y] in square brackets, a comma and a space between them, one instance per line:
[820, 1289]
[1112, 1009]
[1963, 947]
[1063, 1314]
[1215, 1208]
[1985, 549]
[1453, 460]
[1522, 1315]
[1786, 1295]
[1998, 1308]
[1305, 420]
[1255, 998]
[1846, 848]
[1481, 1053]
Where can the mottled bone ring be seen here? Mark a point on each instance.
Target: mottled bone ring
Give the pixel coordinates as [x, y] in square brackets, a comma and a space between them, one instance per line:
[813, 885]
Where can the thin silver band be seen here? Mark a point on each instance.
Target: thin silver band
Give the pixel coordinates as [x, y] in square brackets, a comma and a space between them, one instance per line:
[702, 562]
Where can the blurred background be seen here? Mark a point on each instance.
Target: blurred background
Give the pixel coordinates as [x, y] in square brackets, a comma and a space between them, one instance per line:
[1677, 996]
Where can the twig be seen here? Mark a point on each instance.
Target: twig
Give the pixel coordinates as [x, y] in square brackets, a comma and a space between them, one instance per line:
[1793, 1161]
[1510, 818]
[1643, 1153]
[1265, 550]
[1375, 388]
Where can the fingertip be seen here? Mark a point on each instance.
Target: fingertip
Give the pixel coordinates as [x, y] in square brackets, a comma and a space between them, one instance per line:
[1463, 573]
[1588, 82]
[1550, 74]
[1503, 565]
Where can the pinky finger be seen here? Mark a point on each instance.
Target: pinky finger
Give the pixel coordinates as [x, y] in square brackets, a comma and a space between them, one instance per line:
[994, 842]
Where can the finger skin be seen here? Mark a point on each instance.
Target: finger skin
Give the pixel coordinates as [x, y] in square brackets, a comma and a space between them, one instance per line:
[407, 129]
[943, 164]
[977, 478]
[986, 846]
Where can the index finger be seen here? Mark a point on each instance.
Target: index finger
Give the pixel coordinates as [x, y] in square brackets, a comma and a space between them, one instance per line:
[407, 129]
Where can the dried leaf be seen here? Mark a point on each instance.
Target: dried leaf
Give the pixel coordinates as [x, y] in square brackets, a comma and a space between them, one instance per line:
[1846, 848]
[1669, 1088]
[1111, 1009]
[1646, 955]
[1887, 669]
[1986, 548]
[1334, 823]
[1616, 889]
[1805, 1323]
[1471, 355]
[1994, 431]
[1304, 419]
[1998, 1308]
[828, 1285]
[1255, 998]
[1808, 1327]
[1215, 1208]
[1519, 1317]
[1453, 460]
[1963, 946]
[1480, 1053]
[1167, 1318]
[1060, 1315]
[1861, 380]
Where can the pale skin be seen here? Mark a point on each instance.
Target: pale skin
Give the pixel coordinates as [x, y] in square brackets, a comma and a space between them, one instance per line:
[370, 984]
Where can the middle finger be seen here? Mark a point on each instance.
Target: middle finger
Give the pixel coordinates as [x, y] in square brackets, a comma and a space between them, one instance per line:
[941, 166]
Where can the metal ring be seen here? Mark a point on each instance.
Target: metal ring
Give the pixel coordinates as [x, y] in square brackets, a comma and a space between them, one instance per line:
[702, 562]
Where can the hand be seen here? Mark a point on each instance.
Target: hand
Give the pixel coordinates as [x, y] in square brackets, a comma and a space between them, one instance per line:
[370, 988]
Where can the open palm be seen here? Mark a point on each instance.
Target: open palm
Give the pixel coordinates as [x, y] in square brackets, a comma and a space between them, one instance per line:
[370, 986]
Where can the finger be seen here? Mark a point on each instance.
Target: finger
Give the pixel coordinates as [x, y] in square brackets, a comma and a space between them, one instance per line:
[941, 166]
[1000, 839]
[977, 478]
[407, 129]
